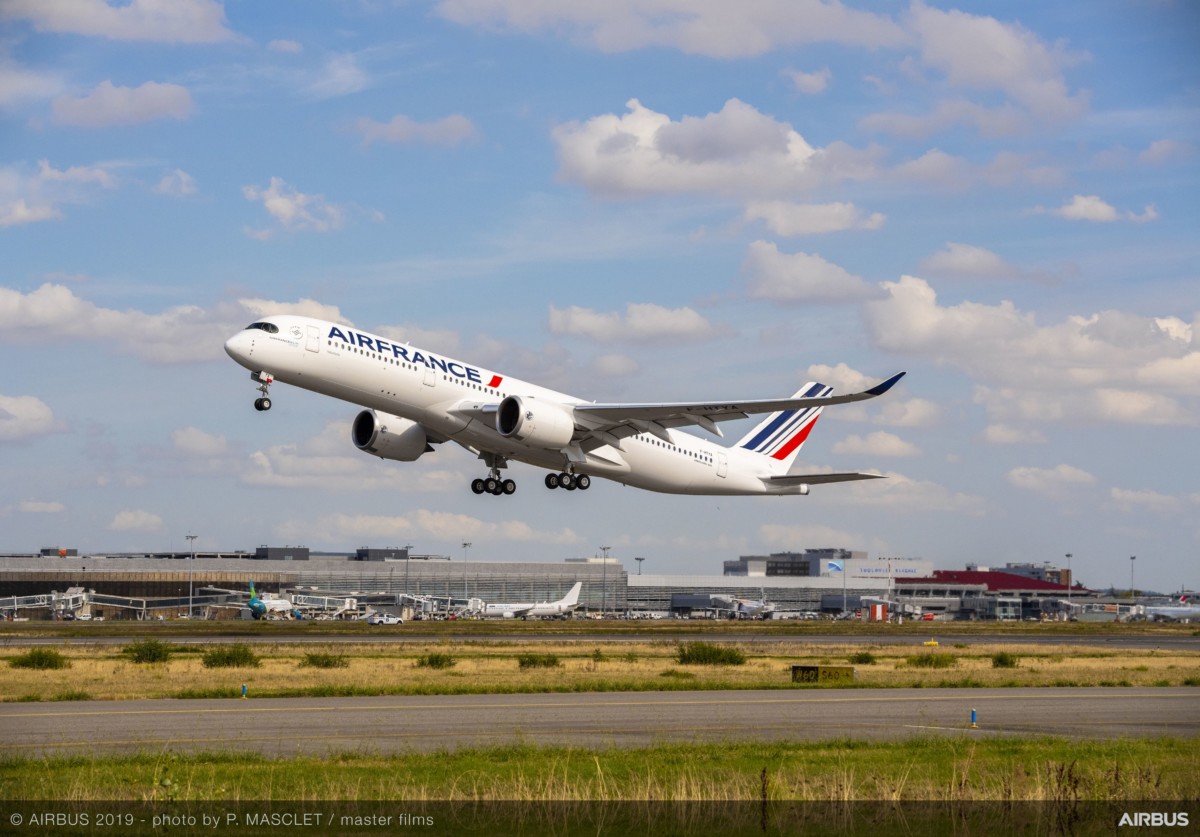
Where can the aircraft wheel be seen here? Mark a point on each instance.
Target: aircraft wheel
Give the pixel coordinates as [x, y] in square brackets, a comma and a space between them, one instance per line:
[491, 485]
[584, 482]
[258, 404]
[567, 481]
[509, 487]
[551, 480]
[266, 403]
[477, 486]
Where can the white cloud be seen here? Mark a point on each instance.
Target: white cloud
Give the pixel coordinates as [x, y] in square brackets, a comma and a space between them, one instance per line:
[25, 417]
[17, 211]
[876, 444]
[166, 21]
[1056, 482]
[300, 308]
[800, 277]
[40, 507]
[947, 171]
[737, 151]
[135, 521]
[815, 82]
[1145, 500]
[340, 76]
[1003, 434]
[1092, 208]
[194, 442]
[1165, 151]
[714, 28]
[998, 121]
[177, 183]
[640, 323]
[968, 260]
[449, 130]
[914, 412]
[294, 210]
[18, 84]
[448, 526]
[109, 105]
[907, 494]
[791, 219]
[27, 198]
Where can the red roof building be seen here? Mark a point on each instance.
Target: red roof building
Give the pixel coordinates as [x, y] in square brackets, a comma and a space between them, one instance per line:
[996, 583]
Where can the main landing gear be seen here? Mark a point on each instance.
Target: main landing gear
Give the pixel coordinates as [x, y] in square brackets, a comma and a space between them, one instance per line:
[569, 481]
[493, 485]
[264, 384]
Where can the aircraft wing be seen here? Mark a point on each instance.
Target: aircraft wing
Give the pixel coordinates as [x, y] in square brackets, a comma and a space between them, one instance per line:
[818, 479]
[609, 423]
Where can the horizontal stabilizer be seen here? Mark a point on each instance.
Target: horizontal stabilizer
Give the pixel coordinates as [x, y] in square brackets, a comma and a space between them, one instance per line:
[817, 479]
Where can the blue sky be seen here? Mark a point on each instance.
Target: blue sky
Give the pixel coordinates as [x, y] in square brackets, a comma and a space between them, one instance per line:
[624, 201]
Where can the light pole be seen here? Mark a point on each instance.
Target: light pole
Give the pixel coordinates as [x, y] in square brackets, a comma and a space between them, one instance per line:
[604, 583]
[407, 561]
[639, 560]
[191, 569]
[1070, 581]
[1132, 558]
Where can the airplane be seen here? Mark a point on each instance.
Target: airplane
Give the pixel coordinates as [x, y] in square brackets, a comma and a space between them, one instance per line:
[266, 605]
[415, 399]
[744, 608]
[560, 608]
[1184, 611]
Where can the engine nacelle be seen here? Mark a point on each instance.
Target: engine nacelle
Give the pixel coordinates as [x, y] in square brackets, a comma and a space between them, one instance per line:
[389, 437]
[540, 423]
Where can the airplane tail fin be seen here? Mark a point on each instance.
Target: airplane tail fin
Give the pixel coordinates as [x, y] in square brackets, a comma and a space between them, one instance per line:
[572, 597]
[781, 435]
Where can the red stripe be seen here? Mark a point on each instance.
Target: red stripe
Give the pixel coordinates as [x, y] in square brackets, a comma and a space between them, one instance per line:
[796, 441]
[495, 381]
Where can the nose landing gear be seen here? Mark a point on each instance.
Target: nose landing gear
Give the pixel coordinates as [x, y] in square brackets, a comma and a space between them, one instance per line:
[265, 379]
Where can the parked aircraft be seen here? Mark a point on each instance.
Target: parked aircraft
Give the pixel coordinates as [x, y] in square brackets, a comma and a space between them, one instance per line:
[416, 399]
[560, 608]
[268, 606]
[1182, 611]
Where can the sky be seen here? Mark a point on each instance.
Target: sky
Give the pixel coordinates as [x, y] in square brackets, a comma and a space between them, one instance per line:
[624, 201]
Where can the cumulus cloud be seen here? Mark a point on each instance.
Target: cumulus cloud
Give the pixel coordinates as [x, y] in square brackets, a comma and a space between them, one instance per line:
[301, 308]
[1145, 500]
[712, 28]
[40, 507]
[194, 442]
[815, 82]
[109, 105]
[876, 444]
[25, 417]
[340, 76]
[449, 130]
[164, 21]
[640, 323]
[1092, 208]
[18, 84]
[293, 210]
[968, 260]
[29, 197]
[449, 526]
[791, 219]
[800, 277]
[176, 183]
[1056, 482]
[907, 494]
[1165, 151]
[1003, 434]
[737, 151]
[1109, 366]
[135, 521]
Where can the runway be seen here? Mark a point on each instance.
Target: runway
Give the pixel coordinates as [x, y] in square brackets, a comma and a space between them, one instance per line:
[291, 726]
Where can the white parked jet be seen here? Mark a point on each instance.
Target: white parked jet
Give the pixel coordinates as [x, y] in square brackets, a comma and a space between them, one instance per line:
[559, 608]
[415, 399]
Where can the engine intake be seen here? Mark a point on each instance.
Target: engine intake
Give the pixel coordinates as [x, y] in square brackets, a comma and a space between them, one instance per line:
[539, 423]
[389, 437]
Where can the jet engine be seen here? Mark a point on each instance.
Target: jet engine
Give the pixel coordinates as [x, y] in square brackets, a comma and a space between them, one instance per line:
[389, 437]
[540, 423]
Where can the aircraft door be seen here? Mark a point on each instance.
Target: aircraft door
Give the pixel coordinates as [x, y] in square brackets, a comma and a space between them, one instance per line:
[430, 376]
[314, 339]
[722, 465]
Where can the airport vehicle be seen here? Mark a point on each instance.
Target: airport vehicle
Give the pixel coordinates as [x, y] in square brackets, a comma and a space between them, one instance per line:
[416, 399]
[384, 619]
[561, 608]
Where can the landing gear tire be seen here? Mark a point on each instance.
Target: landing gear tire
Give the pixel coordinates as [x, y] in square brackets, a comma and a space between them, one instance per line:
[567, 481]
[477, 486]
[262, 404]
[583, 481]
[509, 487]
[491, 485]
[552, 481]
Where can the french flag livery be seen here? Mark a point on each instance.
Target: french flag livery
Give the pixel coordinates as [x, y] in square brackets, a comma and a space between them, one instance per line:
[412, 401]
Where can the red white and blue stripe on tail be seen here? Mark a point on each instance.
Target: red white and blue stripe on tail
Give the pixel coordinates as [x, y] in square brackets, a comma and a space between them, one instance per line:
[781, 434]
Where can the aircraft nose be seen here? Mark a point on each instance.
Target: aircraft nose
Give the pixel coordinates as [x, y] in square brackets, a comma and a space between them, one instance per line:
[235, 346]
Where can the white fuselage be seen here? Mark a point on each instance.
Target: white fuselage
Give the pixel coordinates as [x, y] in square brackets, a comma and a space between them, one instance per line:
[456, 401]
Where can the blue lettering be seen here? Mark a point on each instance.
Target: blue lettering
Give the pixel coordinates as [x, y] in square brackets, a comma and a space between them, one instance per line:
[381, 343]
[438, 362]
[417, 357]
[400, 351]
[337, 332]
[459, 371]
[363, 340]
[473, 375]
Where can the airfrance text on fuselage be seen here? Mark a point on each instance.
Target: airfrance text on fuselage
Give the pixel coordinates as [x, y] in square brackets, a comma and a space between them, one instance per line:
[383, 347]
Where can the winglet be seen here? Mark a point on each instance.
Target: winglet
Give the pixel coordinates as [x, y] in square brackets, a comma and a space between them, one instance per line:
[886, 385]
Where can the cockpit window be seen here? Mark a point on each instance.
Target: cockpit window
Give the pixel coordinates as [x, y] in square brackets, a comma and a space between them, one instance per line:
[269, 328]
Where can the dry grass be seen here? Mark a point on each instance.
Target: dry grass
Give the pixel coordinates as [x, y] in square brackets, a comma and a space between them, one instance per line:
[637, 666]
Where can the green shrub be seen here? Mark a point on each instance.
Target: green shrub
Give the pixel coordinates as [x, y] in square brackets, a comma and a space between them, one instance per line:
[40, 658]
[538, 661]
[437, 661]
[932, 660]
[325, 661]
[231, 656]
[1003, 659]
[707, 654]
[862, 658]
[148, 651]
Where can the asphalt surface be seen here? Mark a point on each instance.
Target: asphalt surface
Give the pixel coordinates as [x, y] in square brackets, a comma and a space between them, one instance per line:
[290, 726]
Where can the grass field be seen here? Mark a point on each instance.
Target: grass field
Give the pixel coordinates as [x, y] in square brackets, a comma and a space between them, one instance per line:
[286, 670]
[1042, 769]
